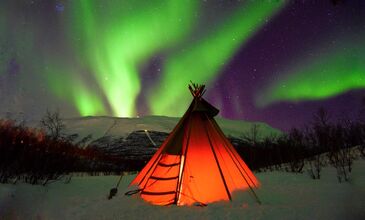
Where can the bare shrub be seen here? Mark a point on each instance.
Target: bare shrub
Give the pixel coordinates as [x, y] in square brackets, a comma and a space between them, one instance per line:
[53, 124]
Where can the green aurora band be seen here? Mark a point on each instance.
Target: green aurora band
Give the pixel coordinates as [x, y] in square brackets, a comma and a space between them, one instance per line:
[86, 101]
[115, 39]
[202, 61]
[112, 40]
[336, 71]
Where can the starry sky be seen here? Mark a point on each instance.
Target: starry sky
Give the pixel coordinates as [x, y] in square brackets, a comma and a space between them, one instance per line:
[274, 61]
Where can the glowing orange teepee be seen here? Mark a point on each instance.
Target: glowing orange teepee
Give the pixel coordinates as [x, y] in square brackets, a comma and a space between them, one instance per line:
[196, 164]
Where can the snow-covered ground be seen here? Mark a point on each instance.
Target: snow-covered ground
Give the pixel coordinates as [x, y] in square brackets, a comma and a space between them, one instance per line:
[284, 196]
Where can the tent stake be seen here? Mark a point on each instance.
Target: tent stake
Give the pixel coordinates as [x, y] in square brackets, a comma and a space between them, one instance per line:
[114, 190]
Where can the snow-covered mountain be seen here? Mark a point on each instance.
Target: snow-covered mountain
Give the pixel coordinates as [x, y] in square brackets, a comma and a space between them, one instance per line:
[139, 138]
[99, 126]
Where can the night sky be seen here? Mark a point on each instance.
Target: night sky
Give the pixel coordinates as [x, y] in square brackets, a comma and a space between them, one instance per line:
[272, 61]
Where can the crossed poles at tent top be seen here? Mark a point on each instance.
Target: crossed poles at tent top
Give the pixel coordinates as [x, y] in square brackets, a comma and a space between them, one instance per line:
[197, 90]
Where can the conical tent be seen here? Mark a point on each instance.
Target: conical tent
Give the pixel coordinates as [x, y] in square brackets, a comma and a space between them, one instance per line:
[196, 164]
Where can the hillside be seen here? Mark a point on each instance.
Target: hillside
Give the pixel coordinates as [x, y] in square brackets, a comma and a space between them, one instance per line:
[99, 126]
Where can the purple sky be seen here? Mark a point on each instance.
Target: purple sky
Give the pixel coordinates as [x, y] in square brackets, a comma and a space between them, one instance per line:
[295, 33]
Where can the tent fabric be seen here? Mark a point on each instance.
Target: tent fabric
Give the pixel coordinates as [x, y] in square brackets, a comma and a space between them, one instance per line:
[195, 164]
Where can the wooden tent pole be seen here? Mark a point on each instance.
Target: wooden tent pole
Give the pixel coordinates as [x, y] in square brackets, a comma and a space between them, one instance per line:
[216, 160]
[249, 185]
[230, 154]
[179, 181]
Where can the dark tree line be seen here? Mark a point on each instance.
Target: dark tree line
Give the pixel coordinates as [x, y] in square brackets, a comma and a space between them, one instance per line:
[320, 143]
[36, 157]
[41, 156]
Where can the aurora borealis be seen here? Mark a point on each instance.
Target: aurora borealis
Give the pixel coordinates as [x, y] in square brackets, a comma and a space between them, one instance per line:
[334, 73]
[271, 61]
[203, 60]
[118, 37]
